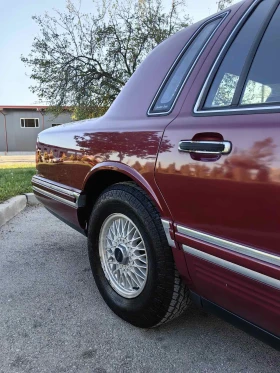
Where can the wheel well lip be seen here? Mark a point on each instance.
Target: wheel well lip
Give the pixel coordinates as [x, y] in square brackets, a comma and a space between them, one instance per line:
[132, 174]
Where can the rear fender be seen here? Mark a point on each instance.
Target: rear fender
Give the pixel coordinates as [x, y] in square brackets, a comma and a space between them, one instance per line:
[147, 183]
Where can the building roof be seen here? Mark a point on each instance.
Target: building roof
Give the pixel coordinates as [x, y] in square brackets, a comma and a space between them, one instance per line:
[23, 107]
[29, 107]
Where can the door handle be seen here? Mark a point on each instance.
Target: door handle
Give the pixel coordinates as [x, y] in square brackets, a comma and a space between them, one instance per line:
[205, 147]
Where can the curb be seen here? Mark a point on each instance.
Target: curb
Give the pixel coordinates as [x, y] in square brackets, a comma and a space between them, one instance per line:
[15, 205]
[31, 199]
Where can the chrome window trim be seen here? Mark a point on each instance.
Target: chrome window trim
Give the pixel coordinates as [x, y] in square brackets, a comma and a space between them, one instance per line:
[223, 16]
[233, 267]
[232, 246]
[202, 91]
[55, 197]
[166, 226]
[56, 188]
[242, 110]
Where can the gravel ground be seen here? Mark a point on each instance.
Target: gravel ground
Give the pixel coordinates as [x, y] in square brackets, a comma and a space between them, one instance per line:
[54, 320]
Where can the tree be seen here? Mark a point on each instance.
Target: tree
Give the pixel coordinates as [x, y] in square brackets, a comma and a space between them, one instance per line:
[46, 157]
[258, 157]
[64, 157]
[222, 4]
[39, 156]
[84, 60]
[51, 156]
[146, 144]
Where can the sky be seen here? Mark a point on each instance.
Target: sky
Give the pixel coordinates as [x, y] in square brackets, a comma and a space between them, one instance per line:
[17, 30]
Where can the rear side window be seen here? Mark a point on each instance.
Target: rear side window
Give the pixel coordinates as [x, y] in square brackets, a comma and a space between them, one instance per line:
[227, 85]
[173, 83]
[263, 82]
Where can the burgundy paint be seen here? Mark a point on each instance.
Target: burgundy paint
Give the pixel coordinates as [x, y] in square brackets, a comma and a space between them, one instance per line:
[259, 304]
[234, 197]
[65, 212]
[231, 256]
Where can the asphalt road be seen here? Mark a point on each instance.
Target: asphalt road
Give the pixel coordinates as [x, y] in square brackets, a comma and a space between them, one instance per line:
[52, 318]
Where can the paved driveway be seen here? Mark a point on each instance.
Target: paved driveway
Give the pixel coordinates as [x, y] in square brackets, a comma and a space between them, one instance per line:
[17, 158]
[52, 318]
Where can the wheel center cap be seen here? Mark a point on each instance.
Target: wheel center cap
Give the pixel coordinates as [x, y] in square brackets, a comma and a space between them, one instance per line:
[121, 254]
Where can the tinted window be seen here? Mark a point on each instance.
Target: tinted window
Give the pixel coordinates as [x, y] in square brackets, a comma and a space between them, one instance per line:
[225, 82]
[263, 83]
[179, 73]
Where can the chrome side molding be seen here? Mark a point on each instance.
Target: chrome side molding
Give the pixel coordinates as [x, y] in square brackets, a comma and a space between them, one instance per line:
[166, 226]
[233, 267]
[229, 245]
[53, 190]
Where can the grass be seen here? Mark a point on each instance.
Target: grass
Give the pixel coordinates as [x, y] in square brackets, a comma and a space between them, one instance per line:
[15, 179]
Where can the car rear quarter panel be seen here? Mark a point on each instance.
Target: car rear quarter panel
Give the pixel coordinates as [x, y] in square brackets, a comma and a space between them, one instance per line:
[124, 134]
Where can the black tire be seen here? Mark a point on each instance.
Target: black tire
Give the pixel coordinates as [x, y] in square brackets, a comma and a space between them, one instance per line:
[164, 296]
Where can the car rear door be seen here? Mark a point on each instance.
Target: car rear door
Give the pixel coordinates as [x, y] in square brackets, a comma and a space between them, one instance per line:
[221, 180]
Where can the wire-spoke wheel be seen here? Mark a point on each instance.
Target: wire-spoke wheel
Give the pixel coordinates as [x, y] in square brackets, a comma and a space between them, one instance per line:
[131, 261]
[123, 255]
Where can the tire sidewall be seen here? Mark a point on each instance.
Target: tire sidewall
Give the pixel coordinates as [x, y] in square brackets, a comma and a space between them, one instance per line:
[108, 204]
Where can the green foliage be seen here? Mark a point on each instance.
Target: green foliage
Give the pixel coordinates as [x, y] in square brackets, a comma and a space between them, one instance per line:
[84, 112]
[15, 181]
[84, 60]
[223, 4]
[225, 92]
[46, 156]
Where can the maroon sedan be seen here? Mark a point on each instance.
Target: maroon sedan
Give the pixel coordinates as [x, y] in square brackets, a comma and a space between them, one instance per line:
[177, 187]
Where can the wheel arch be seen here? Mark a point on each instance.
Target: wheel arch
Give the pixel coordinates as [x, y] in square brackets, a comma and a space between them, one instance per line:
[106, 174]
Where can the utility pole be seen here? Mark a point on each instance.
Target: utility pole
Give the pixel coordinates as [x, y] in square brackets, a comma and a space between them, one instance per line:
[5, 128]
[43, 118]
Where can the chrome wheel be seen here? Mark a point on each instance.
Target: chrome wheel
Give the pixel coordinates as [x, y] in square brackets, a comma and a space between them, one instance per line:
[123, 255]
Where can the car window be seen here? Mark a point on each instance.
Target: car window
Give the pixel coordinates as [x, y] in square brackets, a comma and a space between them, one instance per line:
[178, 75]
[255, 93]
[263, 82]
[222, 91]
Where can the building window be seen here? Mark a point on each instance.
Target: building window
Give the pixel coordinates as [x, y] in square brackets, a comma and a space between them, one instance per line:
[56, 124]
[29, 123]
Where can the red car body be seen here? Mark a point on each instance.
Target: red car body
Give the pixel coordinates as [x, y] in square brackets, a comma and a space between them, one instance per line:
[221, 213]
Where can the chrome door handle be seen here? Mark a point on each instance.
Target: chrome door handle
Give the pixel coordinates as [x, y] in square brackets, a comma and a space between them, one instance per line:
[205, 147]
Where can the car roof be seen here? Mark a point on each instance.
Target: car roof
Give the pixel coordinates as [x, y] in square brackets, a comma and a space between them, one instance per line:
[136, 96]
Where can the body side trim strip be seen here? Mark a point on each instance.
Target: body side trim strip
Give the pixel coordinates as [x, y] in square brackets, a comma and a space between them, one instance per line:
[55, 197]
[67, 192]
[233, 267]
[245, 250]
[166, 226]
